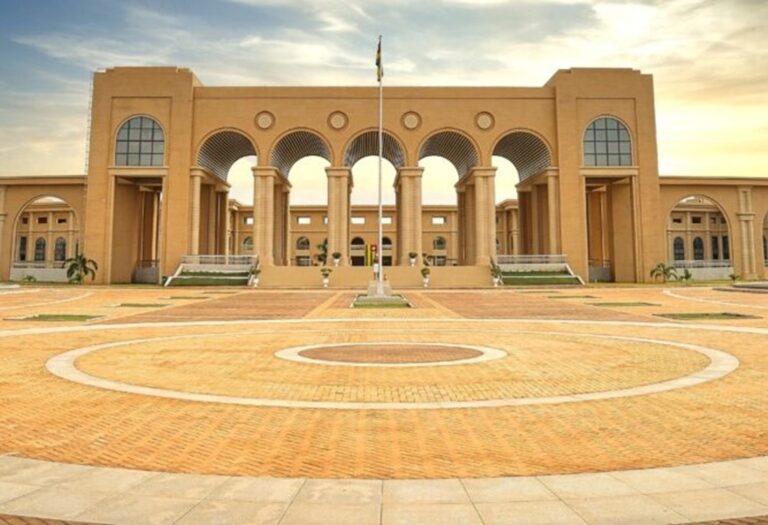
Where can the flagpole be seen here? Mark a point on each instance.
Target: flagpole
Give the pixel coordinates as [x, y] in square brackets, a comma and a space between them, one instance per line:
[380, 252]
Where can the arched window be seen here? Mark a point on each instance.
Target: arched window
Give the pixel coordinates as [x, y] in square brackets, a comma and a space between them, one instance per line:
[140, 142]
[698, 249]
[358, 241]
[40, 250]
[387, 243]
[678, 249]
[302, 243]
[248, 244]
[438, 243]
[607, 143]
[60, 251]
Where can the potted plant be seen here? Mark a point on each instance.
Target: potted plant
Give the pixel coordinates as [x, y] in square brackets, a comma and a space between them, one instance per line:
[425, 276]
[686, 276]
[326, 273]
[412, 258]
[78, 267]
[253, 275]
[336, 258]
[496, 274]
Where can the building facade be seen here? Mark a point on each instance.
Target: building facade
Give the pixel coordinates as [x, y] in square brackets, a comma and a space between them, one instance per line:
[584, 145]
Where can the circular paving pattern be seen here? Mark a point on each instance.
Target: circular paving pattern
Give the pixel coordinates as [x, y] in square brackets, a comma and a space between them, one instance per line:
[568, 396]
[390, 355]
[243, 371]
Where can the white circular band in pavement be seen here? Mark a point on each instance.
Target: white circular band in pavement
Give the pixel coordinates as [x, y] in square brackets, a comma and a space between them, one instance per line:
[294, 354]
[721, 364]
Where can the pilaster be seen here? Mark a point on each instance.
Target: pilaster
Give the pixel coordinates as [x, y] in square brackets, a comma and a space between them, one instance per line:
[339, 188]
[746, 216]
[195, 179]
[264, 180]
[408, 184]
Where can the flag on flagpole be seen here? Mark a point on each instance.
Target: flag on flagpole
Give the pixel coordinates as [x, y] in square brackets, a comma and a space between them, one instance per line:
[379, 66]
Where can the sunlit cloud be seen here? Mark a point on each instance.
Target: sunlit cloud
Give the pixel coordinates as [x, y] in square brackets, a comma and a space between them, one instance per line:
[708, 58]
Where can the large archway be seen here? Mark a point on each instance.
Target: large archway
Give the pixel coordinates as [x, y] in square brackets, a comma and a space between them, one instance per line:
[46, 233]
[525, 222]
[446, 157]
[224, 195]
[361, 157]
[699, 239]
[302, 156]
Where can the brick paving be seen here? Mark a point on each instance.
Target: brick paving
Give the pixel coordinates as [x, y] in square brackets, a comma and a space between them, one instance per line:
[48, 418]
[756, 520]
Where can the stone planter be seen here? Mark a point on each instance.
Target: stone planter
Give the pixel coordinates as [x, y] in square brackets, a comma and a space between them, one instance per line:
[425, 281]
[326, 281]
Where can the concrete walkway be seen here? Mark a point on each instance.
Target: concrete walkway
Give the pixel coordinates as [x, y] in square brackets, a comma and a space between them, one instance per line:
[728, 489]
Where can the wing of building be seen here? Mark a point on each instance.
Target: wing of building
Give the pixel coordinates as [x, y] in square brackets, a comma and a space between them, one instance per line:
[584, 145]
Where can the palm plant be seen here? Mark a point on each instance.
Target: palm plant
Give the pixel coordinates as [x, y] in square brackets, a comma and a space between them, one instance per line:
[664, 272]
[79, 267]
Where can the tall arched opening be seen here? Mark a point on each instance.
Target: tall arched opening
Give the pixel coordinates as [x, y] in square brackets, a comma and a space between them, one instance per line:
[46, 233]
[446, 157]
[527, 220]
[361, 157]
[302, 158]
[699, 239]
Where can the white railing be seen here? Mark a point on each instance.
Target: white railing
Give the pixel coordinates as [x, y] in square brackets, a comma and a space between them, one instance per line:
[531, 259]
[709, 263]
[248, 260]
[38, 264]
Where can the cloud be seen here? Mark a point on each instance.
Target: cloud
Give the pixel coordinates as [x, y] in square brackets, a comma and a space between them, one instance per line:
[708, 58]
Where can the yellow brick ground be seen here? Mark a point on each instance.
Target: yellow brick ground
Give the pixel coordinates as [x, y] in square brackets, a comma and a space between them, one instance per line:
[49, 418]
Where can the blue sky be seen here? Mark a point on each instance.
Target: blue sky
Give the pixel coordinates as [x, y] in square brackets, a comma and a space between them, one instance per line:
[709, 59]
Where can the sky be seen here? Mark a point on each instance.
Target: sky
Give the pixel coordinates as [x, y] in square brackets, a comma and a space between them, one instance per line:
[709, 59]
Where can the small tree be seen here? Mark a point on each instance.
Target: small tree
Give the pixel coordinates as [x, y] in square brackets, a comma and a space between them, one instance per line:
[323, 247]
[664, 272]
[686, 277]
[325, 272]
[425, 272]
[79, 267]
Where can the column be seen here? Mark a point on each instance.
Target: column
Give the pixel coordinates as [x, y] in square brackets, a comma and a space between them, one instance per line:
[485, 214]
[50, 248]
[462, 226]
[264, 213]
[227, 225]
[409, 228]
[553, 211]
[339, 188]
[746, 218]
[196, 178]
[212, 220]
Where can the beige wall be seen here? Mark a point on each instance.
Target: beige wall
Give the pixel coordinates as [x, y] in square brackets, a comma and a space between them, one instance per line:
[626, 210]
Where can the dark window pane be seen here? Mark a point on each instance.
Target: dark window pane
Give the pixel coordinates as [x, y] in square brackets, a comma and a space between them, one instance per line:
[626, 160]
[624, 134]
[590, 135]
[134, 134]
[613, 147]
[122, 147]
[589, 160]
[613, 134]
[601, 147]
[600, 135]
[123, 133]
[121, 159]
[133, 159]
[589, 147]
[145, 160]
[601, 160]
[613, 160]
[157, 159]
[624, 147]
[612, 123]
[146, 134]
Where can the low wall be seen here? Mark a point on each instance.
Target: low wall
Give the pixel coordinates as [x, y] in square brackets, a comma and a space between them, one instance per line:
[360, 276]
[45, 275]
[709, 274]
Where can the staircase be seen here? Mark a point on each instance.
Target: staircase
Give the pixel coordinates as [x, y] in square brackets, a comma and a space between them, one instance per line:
[213, 270]
[536, 270]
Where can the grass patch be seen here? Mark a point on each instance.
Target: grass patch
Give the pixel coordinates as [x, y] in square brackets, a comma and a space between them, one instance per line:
[200, 273]
[571, 297]
[716, 316]
[187, 297]
[59, 317]
[141, 305]
[620, 305]
[209, 281]
[535, 281]
[393, 301]
[534, 273]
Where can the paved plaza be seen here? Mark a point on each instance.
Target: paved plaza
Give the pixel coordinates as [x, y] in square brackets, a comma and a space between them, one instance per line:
[581, 405]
